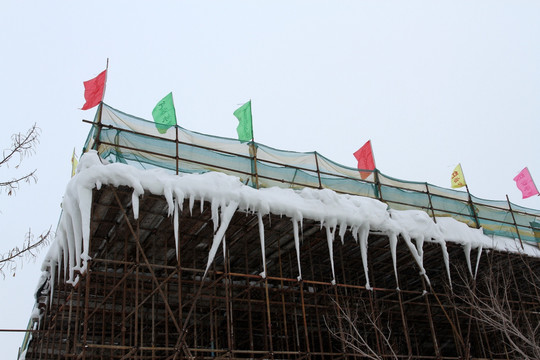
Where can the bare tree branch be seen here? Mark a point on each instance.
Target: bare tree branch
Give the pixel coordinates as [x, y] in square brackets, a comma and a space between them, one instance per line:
[351, 335]
[491, 304]
[29, 250]
[22, 145]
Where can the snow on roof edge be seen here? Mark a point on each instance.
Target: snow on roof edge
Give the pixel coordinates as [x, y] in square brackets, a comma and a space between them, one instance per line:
[226, 193]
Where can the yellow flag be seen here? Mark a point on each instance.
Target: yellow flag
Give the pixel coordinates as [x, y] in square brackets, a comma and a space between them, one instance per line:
[458, 180]
[74, 163]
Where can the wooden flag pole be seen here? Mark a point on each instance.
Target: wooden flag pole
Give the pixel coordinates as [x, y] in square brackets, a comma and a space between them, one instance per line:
[100, 110]
[514, 219]
[253, 149]
[471, 204]
[430, 203]
[376, 173]
[106, 76]
[177, 145]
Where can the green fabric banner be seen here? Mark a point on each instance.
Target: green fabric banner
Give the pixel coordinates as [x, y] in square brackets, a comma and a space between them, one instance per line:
[164, 114]
[245, 125]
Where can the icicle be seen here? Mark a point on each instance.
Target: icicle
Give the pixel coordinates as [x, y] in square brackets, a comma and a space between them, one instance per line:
[354, 233]
[364, 234]
[57, 264]
[176, 224]
[167, 193]
[215, 214]
[224, 248]
[329, 240]
[85, 207]
[226, 216]
[179, 196]
[416, 253]
[72, 235]
[263, 250]
[51, 284]
[420, 248]
[467, 251]
[297, 245]
[135, 205]
[71, 243]
[191, 203]
[202, 204]
[62, 245]
[446, 259]
[342, 231]
[477, 261]
[392, 237]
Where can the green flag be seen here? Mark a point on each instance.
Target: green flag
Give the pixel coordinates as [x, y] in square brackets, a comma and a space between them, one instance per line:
[245, 126]
[164, 114]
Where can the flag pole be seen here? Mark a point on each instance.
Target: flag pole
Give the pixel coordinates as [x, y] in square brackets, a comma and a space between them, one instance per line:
[514, 219]
[461, 174]
[100, 110]
[253, 148]
[177, 144]
[106, 76]
[471, 204]
[377, 181]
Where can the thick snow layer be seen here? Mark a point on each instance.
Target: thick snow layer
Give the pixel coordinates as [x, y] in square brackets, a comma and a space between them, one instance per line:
[335, 212]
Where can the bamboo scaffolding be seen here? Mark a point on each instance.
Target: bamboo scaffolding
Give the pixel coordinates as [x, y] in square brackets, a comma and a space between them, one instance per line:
[139, 300]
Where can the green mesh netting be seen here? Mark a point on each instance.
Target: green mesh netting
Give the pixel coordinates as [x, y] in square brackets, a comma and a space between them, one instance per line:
[124, 138]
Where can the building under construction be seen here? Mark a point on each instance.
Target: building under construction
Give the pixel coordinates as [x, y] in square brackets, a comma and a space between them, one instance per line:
[156, 283]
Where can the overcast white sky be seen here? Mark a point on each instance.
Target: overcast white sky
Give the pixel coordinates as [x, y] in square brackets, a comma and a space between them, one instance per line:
[432, 84]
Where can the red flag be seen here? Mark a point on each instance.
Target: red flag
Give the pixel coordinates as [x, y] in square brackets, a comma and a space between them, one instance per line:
[364, 155]
[93, 90]
[525, 183]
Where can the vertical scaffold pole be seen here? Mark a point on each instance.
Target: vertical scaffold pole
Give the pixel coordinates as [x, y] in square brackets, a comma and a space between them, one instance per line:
[228, 301]
[430, 203]
[473, 209]
[374, 309]
[283, 309]
[248, 289]
[430, 318]
[86, 309]
[514, 220]
[99, 126]
[318, 170]
[378, 186]
[71, 298]
[253, 155]
[306, 332]
[100, 110]
[177, 144]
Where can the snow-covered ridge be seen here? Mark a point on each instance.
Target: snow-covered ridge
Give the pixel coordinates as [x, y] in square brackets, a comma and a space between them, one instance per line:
[337, 213]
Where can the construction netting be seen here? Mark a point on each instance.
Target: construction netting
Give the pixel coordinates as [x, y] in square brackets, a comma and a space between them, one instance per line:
[120, 137]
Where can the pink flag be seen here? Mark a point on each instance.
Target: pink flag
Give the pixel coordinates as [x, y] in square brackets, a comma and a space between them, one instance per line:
[526, 184]
[364, 155]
